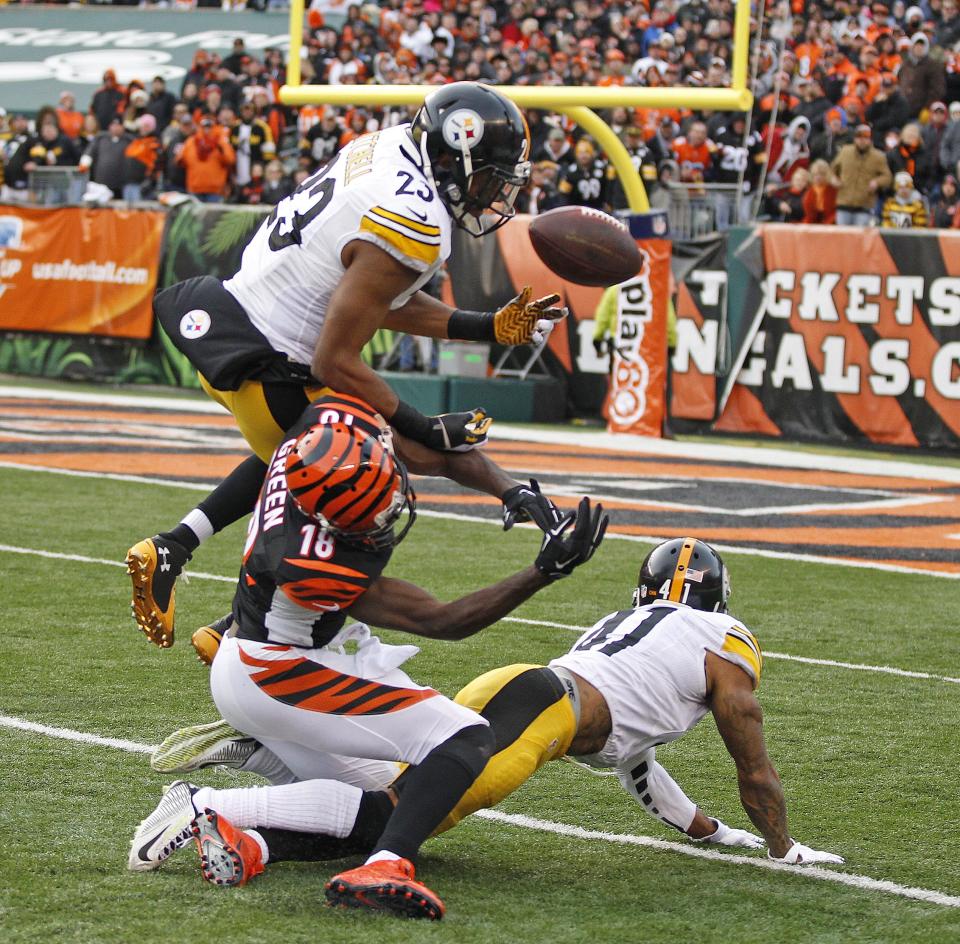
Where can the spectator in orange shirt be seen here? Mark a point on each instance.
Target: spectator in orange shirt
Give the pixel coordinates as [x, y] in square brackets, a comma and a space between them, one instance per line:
[616, 68]
[142, 154]
[70, 120]
[870, 72]
[694, 153]
[809, 52]
[888, 59]
[820, 199]
[207, 157]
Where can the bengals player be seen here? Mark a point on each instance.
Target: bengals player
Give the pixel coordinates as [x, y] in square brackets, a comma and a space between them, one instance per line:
[328, 516]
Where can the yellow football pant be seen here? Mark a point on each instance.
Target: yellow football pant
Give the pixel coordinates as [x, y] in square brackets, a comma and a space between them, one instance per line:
[532, 722]
[264, 411]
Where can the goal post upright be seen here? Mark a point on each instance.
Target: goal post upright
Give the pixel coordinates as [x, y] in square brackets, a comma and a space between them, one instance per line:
[577, 102]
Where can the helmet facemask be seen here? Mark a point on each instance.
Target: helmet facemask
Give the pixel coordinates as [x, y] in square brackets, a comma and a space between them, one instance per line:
[366, 475]
[476, 145]
[384, 534]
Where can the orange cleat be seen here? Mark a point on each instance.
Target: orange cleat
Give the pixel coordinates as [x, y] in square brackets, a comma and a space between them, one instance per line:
[228, 856]
[206, 640]
[385, 886]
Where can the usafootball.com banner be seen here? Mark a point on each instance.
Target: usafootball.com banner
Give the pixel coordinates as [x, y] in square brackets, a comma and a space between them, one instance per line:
[79, 271]
[833, 333]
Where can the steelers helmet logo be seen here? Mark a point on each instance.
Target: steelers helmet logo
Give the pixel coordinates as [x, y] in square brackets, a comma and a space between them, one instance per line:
[195, 324]
[463, 126]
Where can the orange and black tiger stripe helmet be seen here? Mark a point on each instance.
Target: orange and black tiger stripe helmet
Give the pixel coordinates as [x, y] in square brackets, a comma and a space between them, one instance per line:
[349, 480]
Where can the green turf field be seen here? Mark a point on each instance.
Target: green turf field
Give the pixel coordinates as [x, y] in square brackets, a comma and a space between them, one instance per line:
[869, 760]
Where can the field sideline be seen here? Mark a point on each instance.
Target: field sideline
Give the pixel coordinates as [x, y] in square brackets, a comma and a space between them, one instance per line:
[859, 690]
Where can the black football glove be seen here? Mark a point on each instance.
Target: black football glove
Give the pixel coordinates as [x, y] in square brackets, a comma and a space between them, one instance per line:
[527, 503]
[571, 541]
[458, 432]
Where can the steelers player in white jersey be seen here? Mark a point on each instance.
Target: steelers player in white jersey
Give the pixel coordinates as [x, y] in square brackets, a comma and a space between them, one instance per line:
[342, 257]
[638, 678]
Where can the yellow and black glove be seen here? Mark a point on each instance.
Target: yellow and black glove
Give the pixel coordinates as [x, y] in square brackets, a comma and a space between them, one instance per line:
[522, 321]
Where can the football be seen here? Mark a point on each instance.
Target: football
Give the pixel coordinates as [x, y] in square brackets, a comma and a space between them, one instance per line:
[585, 246]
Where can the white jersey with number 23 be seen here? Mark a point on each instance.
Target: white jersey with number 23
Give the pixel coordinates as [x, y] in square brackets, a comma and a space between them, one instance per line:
[375, 189]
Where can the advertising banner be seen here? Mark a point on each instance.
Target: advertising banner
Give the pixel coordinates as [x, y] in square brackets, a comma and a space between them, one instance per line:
[79, 271]
[637, 383]
[702, 343]
[857, 337]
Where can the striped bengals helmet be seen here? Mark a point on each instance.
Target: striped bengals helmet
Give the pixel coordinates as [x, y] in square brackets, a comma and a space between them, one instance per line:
[347, 478]
[684, 570]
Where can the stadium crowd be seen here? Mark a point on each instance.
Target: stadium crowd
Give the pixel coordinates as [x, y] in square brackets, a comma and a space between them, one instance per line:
[851, 122]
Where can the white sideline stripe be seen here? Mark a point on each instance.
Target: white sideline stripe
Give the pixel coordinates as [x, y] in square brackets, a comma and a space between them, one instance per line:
[626, 443]
[663, 845]
[200, 575]
[453, 516]
[573, 832]
[729, 549]
[82, 559]
[68, 734]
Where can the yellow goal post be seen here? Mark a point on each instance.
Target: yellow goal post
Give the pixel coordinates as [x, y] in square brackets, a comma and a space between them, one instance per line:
[576, 102]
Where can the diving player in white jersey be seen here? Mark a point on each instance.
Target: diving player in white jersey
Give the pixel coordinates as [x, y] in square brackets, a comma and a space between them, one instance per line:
[342, 257]
[638, 678]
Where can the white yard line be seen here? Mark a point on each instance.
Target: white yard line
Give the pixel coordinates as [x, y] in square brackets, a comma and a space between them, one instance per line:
[759, 862]
[68, 734]
[640, 501]
[573, 832]
[453, 516]
[200, 575]
[627, 444]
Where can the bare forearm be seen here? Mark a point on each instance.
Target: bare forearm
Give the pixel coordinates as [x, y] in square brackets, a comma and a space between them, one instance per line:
[352, 375]
[702, 826]
[762, 798]
[474, 470]
[471, 469]
[470, 614]
[422, 315]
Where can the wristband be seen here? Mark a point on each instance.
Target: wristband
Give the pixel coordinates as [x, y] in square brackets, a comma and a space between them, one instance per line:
[471, 325]
[410, 422]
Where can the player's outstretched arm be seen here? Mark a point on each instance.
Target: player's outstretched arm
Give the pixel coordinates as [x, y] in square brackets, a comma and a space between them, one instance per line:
[649, 783]
[522, 320]
[357, 309]
[474, 470]
[398, 604]
[740, 723]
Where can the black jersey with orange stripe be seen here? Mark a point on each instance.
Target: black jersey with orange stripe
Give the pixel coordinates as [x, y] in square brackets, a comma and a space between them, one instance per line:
[297, 580]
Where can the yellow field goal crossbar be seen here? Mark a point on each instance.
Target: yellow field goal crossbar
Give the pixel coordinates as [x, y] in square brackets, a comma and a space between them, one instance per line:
[574, 101]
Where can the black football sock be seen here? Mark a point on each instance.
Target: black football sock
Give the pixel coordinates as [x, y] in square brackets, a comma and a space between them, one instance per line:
[182, 535]
[234, 498]
[433, 789]
[285, 845]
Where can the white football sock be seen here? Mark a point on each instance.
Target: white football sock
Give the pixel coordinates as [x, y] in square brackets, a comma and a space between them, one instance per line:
[313, 806]
[383, 856]
[258, 839]
[199, 524]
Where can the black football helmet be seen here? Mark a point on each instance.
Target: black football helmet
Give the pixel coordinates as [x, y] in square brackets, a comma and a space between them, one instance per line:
[476, 143]
[684, 570]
